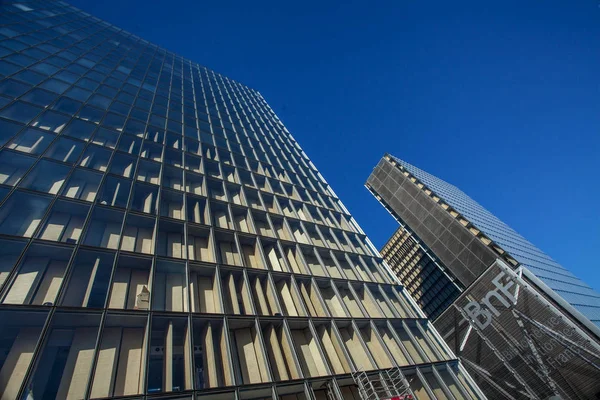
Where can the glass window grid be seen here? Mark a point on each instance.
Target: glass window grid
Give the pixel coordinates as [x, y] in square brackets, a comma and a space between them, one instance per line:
[254, 126]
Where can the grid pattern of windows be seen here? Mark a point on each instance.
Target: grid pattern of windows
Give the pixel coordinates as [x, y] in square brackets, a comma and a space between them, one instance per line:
[432, 289]
[572, 289]
[161, 231]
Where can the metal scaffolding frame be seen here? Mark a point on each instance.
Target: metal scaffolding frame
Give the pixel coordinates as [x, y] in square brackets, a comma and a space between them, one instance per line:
[386, 384]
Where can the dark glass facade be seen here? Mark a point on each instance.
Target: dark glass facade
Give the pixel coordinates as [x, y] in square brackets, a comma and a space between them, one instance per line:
[576, 292]
[430, 284]
[515, 333]
[163, 234]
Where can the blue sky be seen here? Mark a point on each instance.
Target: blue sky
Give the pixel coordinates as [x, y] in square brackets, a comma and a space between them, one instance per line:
[498, 98]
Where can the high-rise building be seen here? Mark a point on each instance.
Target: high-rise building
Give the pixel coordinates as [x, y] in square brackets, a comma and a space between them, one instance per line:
[161, 231]
[524, 326]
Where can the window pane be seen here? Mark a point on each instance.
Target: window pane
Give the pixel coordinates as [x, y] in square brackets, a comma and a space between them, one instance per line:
[51, 121]
[95, 157]
[170, 290]
[21, 112]
[122, 339]
[46, 176]
[65, 222]
[22, 213]
[130, 284]
[169, 370]
[138, 234]
[82, 185]
[88, 285]
[21, 331]
[13, 166]
[104, 228]
[10, 250]
[39, 275]
[115, 192]
[122, 165]
[106, 137]
[65, 150]
[32, 141]
[8, 130]
[144, 198]
[79, 129]
[66, 359]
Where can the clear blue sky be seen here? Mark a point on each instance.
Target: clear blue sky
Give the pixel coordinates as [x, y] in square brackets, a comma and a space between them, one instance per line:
[498, 98]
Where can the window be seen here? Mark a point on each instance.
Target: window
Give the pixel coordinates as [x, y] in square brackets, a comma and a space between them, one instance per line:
[10, 250]
[171, 204]
[115, 192]
[22, 213]
[65, 222]
[95, 157]
[122, 339]
[8, 130]
[148, 172]
[51, 121]
[145, 198]
[39, 276]
[130, 144]
[211, 362]
[170, 289]
[170, 369]
[123, 165]
[66, 358]
[21, 331]
[21, 112]
[251, 364]
[130, 284]
[172, 178]
[104, 228]
[106, 137]
[88, 284]
[77, 128]
[46, 176]
[82, 185]
[65, 150]
[171, 239]
[13, 166]
[138, 234]
[31, 141]
[305, 343]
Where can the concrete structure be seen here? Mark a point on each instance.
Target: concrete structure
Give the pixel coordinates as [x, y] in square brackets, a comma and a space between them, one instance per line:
[162, 235]
[523, 325]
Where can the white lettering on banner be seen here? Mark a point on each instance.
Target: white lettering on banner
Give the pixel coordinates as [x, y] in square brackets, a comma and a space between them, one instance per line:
[482, 312]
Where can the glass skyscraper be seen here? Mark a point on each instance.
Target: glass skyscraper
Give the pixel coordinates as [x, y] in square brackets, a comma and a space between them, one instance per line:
[162, 235]
[576, 292]
[524, 327]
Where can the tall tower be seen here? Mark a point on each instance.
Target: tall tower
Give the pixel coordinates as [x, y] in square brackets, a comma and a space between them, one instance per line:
[161, 231]
[524, 326]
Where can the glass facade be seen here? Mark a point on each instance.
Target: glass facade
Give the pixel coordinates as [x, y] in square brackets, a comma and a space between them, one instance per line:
[161, 231]
[576, 292]
[516, 336]
[429, 283]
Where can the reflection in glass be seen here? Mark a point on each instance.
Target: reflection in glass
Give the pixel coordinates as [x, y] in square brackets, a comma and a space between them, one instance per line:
[22, 213]
[20, 333]
[39, 276]
[121, 357]
[88, 284]
[65, 222]
[64, 367]
[10, 250]
[170, 362]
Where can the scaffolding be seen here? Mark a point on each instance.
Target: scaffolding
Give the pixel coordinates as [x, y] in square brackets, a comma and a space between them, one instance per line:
[389, 384]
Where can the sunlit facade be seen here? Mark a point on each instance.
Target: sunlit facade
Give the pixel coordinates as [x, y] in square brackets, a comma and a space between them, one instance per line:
[163, 235]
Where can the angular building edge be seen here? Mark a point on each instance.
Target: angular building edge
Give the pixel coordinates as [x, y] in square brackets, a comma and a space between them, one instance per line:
[436, 239]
